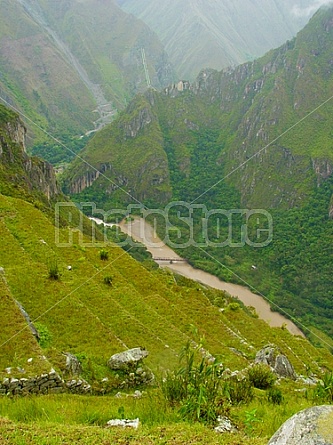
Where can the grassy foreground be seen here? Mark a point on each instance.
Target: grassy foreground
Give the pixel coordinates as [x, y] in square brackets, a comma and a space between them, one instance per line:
[65, 419]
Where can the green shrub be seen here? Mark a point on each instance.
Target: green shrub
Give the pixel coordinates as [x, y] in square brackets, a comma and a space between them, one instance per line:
[239, 391]
[324, 388]
[195, 386]
[45, 337]
[54, 273]
[174, 387]
[261, 376]
[104, 255]
[275, 396]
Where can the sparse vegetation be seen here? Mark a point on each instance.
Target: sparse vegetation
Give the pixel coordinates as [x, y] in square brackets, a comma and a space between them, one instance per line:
[108, 280]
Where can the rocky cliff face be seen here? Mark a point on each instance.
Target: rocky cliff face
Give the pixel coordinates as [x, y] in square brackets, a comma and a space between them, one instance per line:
[127, 158]
[18, 170]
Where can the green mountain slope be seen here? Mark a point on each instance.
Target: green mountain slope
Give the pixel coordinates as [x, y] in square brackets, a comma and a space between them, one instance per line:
[83, 315]
[239, 111]
[265, 127]
[70, 65]
[197, 35]
[93, 305]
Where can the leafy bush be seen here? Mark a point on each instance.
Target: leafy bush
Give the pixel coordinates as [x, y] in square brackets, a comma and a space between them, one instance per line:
[54, 273]
[261, 376]
[275, 396]
[250, 420]
[104, 255]
[195, 386]
[45, 337]
[239, 391]
[324, 389]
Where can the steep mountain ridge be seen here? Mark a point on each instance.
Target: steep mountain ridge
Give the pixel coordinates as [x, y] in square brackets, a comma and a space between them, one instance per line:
[220, 33]
[21, 175]
[258, 107]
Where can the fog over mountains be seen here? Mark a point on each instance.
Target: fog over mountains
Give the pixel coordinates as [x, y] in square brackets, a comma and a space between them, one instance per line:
[219, 33]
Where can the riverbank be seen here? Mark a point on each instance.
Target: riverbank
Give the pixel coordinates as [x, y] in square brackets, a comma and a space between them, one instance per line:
[141, 231]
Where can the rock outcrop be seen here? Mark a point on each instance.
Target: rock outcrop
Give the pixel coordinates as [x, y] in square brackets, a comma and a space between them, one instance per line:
[126, 360]
[32, 174]
[312, 426]
[73, 365]
[279, 363]
[27, 318]
[130, 365]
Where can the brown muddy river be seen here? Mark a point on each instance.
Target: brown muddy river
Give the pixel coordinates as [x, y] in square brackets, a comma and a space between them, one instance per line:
[141, 231]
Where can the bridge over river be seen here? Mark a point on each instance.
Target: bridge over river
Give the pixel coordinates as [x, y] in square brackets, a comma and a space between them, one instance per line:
[171, 260]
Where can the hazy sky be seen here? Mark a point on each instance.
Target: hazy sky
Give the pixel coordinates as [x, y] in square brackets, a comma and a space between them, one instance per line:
[310, 10]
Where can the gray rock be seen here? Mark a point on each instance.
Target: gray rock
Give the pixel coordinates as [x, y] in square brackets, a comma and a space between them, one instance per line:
[32, 327]
[311, 381]
[284, 368]
[312, 426]
[224, 425]
[73, 365]
[279, 363]
[266, 356]
[127, 359]
[125, 423]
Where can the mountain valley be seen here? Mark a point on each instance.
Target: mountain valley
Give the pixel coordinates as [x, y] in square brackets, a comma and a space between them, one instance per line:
[233, 170]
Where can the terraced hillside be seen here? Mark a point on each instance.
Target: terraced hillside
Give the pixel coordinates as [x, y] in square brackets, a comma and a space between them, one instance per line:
[93, 305]
[85, 316]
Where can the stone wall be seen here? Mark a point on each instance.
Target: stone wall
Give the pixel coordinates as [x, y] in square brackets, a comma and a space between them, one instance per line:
[50, 383]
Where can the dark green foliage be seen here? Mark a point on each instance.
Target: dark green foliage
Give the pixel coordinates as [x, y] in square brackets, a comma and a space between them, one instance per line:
[324, 389]
[108, 280]
[54, 272]
[104, 255]
[63, 151]
[275, 396]
[261, 376]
